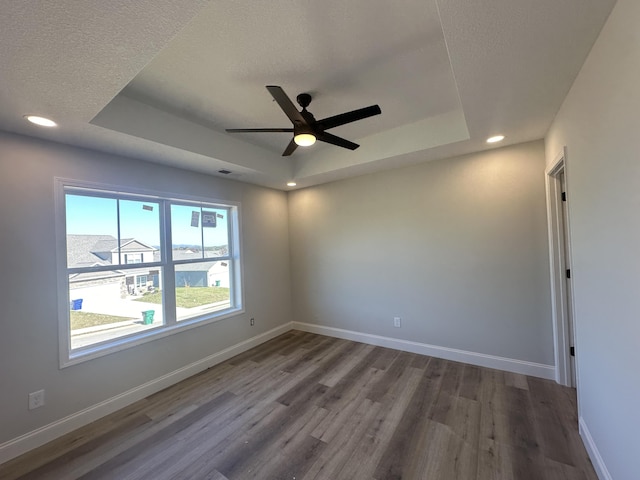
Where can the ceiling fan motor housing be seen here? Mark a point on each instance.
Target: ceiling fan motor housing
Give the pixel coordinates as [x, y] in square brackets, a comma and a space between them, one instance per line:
[304, 99]
[300, 129]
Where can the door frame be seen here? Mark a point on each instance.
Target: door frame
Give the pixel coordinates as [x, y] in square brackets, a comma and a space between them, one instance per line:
[561, 298]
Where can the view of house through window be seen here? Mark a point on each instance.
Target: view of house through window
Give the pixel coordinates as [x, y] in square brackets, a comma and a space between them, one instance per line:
[125, 279]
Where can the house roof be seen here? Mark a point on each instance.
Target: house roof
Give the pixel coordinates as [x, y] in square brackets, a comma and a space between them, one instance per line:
[195, 267]
[131, 244]
[192, 255]
[89, 250]
[82, 250]
[162, 82]
[92, 276]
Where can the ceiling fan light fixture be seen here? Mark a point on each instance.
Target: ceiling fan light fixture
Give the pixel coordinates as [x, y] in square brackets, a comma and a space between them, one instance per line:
[304, 139]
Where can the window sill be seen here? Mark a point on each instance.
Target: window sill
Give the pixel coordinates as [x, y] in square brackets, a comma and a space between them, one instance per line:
[144, 334]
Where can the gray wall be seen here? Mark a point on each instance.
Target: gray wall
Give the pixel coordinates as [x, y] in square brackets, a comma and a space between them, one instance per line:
[29, 327]
[457, 248]
[599, 124]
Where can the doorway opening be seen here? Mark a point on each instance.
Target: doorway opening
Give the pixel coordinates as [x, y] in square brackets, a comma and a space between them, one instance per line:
[560, 261]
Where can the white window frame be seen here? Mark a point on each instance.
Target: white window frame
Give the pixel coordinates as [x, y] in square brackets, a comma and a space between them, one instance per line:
[67, 356]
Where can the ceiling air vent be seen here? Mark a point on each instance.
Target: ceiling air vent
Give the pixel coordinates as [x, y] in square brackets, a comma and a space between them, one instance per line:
[224, 172]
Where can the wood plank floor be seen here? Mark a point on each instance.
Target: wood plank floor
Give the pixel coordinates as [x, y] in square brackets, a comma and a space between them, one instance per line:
[305, 406]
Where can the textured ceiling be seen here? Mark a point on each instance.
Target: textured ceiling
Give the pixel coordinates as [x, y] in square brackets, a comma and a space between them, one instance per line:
[161, 80]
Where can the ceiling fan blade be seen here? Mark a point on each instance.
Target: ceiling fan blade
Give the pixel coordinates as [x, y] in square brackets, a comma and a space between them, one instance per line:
[286, 105]
[334, 140]
[238, 130]
[348, 117]
[290, 148]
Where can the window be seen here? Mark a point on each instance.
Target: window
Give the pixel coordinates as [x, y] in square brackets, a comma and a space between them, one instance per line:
[137, 266]
[132, 258]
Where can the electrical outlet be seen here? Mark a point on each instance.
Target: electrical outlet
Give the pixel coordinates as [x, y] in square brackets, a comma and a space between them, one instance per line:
[252, 322]
[397, 322]
[36, 399]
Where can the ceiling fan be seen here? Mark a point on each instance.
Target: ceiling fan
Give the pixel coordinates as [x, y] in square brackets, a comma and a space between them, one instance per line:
[306, 129]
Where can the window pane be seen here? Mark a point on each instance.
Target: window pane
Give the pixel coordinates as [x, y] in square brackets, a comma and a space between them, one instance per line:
[112, 296]
[215, 232]
[139, 232]
[107, 305]
[186, 232]
[201, 288]
[92, 231]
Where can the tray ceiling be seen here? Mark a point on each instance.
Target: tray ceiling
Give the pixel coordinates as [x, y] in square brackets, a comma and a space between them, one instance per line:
[161, 80]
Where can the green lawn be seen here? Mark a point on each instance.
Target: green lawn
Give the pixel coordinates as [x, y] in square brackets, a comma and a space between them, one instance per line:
[81, 319]
[187, 297]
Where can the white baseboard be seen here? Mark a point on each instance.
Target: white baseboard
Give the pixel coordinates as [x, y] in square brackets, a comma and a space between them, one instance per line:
[592, 450]
[473, 358]
[36, 438]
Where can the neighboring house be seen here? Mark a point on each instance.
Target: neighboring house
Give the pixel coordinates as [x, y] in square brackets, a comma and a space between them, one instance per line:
[94, 250]
[203, 274]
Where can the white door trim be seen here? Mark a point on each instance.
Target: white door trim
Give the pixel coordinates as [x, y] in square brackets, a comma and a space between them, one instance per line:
[558, 260]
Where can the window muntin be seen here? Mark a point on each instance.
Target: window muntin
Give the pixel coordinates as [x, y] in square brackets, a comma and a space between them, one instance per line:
[123, 282]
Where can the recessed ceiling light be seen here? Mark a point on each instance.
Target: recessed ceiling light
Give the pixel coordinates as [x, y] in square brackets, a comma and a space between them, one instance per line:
[291, 184]
[497, 138]
[41, 121]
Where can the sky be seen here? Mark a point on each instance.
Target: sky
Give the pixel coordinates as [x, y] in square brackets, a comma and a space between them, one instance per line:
[141, 220]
